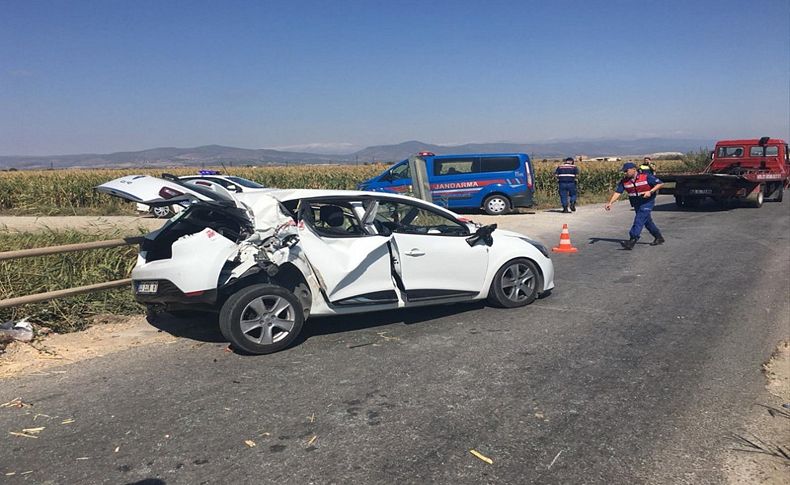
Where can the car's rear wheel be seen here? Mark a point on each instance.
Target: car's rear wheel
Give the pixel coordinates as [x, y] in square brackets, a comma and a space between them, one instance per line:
[261, 319]
[161, 212]
[496, 204]
[515, 284]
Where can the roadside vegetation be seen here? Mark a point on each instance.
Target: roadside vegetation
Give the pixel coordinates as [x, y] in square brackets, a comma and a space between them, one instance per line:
[70, 192]
[28, 276]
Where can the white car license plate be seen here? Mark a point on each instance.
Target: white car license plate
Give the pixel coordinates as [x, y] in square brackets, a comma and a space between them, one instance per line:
[701, 191]
[147, 287]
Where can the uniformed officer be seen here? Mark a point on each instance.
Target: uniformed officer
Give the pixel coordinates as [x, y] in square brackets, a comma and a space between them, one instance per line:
[566, 179]
[642, 189]
[647, 166]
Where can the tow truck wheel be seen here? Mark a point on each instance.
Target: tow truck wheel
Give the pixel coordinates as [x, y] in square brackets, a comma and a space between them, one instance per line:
[679, 201]
[496, 204]
[775, 191]
[261, 319]
[758, 202]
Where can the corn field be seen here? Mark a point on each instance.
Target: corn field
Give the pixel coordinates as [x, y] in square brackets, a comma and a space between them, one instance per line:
[70, 192]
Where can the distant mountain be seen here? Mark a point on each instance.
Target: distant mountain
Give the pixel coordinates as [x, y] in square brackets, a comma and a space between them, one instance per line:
[214, 155]
[554, 149]
[166, 157]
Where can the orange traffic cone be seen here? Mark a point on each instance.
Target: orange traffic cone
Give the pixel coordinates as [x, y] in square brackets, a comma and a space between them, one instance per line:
[565, 242]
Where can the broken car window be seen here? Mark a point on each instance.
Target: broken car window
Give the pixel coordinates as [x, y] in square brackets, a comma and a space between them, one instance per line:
[399, 217]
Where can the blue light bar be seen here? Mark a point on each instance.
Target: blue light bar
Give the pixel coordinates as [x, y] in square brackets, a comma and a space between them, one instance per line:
[209, 172]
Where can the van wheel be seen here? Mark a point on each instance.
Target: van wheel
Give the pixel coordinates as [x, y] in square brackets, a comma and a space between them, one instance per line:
[261, 319]
[495, 205]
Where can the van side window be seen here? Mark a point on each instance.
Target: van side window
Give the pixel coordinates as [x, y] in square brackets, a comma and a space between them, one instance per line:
[499, 164]
[455, 166]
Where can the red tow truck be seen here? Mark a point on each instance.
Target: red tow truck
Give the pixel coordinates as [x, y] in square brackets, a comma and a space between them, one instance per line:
[753, 171]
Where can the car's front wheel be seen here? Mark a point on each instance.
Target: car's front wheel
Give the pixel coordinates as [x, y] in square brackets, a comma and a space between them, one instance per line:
[261, 319]
[515, 284]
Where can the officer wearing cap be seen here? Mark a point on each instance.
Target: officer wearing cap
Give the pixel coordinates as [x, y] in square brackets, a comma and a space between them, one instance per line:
[642, 189]
[566, 179]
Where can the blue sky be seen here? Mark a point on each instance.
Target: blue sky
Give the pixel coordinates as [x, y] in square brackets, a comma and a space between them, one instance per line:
[104, 76]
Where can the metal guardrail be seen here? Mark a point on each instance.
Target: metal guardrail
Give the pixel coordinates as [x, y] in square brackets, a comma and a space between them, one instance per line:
[67, 248]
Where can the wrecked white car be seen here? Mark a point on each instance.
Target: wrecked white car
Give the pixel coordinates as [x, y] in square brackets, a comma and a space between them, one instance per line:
[267, 261]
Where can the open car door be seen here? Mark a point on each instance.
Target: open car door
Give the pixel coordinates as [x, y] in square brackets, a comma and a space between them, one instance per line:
[353, 266]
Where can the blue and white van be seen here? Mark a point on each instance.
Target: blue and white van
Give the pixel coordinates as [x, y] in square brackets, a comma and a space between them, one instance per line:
[495, 182]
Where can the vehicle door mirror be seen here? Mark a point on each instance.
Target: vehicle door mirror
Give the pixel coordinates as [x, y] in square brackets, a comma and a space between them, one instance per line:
[482, 234]
[386, 177]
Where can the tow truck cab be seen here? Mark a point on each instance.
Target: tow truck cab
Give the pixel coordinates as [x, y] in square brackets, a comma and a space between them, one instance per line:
[747, 170]
[770, 155]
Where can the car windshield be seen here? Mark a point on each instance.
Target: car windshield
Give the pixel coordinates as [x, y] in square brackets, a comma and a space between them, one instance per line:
[246, 183]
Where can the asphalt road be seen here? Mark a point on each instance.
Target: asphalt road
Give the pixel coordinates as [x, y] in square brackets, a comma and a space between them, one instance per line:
[636, 369]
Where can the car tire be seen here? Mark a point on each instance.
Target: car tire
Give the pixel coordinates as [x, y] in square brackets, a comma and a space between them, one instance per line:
[496, 204]
[515, 284]
[261, 319]
[162, 212]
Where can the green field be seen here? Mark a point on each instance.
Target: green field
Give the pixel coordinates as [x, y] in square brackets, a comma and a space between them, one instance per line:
[70, 192]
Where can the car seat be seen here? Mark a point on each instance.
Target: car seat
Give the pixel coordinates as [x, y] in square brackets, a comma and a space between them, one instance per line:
[332, 218]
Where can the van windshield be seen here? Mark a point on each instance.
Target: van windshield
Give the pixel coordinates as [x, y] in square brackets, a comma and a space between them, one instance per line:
[400, 171]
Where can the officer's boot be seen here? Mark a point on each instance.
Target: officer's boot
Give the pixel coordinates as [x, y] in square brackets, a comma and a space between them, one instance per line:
[573, 206]
[658, 240]
[629, 245]
[565, 209]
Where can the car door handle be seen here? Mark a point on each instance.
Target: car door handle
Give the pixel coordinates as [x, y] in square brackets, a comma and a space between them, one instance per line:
[415, 252]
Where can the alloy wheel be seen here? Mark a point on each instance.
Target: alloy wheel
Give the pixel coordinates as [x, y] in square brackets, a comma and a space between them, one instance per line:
[267, 319]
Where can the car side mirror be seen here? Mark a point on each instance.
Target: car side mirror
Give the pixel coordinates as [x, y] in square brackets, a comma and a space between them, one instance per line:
[387, 177]
[482, 234]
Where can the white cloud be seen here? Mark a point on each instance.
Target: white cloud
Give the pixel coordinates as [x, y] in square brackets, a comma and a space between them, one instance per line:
[330, 148]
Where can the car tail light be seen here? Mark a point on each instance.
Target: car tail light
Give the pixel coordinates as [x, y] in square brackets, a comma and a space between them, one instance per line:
[168, 193]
